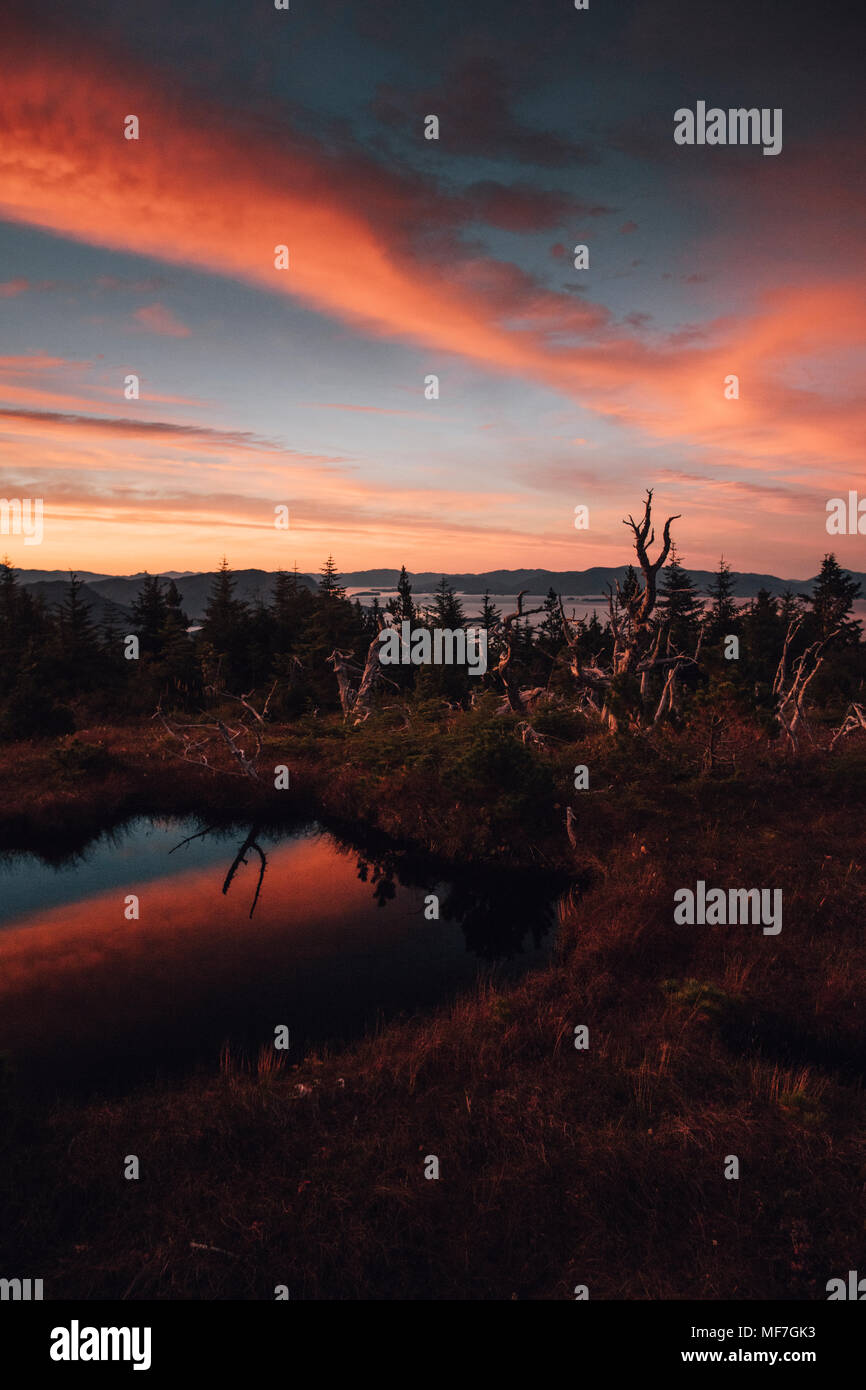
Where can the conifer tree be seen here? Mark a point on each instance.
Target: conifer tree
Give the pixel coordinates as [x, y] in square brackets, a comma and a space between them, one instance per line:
[225, 629]
[791, 606]
[177, 671]
[78, 645]
[763, 635]
[490, 614]
[402, 608]
[175, 616]
[334, 625]
[679, 606]
[447, 608]
[149, 615]
[329, 581]
[832, 601]
[374, 615]
[722, 616]
[17, 621]
[630, 586]
[291, 606]
[551, 636]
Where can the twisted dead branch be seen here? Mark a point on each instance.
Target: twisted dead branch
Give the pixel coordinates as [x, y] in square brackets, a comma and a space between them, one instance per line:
[504, 669]
[245, 701]
[792, 681]
[637, 636]
[201, 750]
[356, 684]
[637, 631]
[855, 718]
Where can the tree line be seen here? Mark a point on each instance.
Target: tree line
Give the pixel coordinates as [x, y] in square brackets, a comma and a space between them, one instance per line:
[60, 667]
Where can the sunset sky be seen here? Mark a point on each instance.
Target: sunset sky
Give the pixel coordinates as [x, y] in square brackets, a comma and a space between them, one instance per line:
[305, 387]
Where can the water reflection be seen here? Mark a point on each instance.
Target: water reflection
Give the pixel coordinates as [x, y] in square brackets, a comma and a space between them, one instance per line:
[497, 913]
[238, 931]
[249, 845]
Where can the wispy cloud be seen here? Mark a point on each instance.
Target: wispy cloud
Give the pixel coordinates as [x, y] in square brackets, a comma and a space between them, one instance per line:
[158, 319]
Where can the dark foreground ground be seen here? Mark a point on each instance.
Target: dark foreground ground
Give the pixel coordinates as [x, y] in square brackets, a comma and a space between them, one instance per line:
[557, 1166]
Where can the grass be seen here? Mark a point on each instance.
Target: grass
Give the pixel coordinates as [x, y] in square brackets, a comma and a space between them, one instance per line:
[558, 1166]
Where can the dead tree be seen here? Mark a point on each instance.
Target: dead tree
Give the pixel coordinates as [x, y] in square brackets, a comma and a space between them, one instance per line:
[637, 635]
[517, 699]
[199, 746]
[593, 682]
[356, 684]
[245, 701]
[199, 739]
[676, 663]
[346, 671]
[793, 680]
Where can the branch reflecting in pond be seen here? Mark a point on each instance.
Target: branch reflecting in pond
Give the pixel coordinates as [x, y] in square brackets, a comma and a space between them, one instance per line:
[250, 843]
[501, 911]
[240, 858]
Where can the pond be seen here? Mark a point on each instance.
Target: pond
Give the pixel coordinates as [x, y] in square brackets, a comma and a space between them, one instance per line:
[239, 930]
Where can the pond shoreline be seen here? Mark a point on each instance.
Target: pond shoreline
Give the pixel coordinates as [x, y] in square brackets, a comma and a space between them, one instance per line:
[52, 809]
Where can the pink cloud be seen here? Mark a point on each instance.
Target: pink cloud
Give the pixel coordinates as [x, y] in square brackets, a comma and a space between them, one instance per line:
[158, 319]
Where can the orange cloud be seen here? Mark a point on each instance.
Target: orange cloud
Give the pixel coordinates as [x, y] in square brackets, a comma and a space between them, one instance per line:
[193, 190]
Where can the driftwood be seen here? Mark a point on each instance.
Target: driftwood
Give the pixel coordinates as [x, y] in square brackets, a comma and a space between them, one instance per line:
[531, 736]
[245, 701]
[345, 670]
[595, 681]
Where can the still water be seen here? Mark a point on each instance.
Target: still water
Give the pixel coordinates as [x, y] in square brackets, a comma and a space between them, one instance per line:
[335, 942]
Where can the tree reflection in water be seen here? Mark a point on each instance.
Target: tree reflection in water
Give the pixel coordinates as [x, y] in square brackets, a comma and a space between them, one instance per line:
[249, 844]
[497, 910]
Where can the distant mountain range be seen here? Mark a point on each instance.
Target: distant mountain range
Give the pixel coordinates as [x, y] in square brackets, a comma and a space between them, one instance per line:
[577, 582]
[111, 596]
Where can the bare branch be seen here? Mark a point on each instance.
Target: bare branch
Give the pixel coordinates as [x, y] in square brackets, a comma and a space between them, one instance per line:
[790, 689]
[503, 666]
[855, 718]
